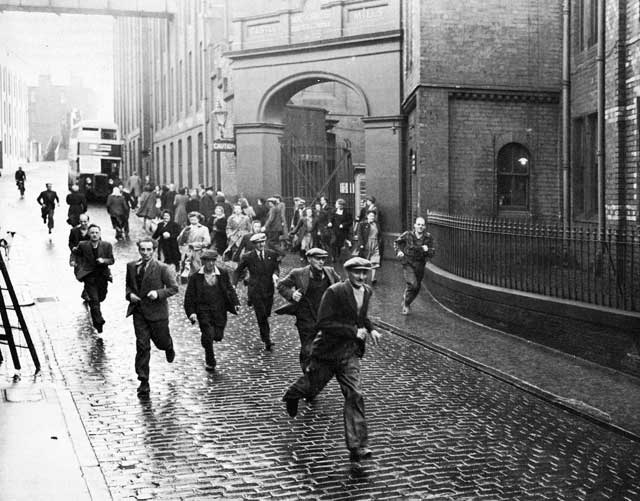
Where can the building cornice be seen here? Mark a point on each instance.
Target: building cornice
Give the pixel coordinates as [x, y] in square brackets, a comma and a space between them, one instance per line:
[487, 93]
[369, 38]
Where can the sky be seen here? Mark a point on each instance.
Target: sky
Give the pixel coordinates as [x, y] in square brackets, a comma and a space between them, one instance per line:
[66, 47]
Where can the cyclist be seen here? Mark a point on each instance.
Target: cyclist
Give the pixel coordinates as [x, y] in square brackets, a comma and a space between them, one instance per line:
[48, 200]
[21, 177]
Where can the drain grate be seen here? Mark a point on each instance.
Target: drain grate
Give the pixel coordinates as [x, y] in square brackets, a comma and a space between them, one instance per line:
[17, 395]
[47, 299]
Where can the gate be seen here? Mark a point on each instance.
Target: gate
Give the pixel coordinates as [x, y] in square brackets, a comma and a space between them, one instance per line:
[310, 171]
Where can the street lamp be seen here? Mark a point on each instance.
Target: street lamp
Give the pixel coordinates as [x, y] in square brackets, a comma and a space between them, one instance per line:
[220, 115]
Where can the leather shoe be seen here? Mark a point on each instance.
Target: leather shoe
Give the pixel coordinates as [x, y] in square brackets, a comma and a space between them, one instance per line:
[292, 406]
[360, 454]
[144, 389]
[210, 366]
[99, 326]
[268, 346]
[170, 354]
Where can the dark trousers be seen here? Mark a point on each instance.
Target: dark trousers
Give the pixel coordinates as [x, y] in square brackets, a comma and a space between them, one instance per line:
[307, 335]
[413, 275]
[347, 373]
[262, 307]
[47, 216]
[211, 329]
[95, 290]
[147, 331]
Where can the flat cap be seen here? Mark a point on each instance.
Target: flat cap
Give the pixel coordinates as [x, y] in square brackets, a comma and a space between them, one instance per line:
[317, 252]
[357, 263]
[273, 199]
[258, 237]
[209, 254]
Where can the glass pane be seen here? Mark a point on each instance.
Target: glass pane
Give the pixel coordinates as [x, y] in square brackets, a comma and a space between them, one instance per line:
[519, 192]
[504, 191]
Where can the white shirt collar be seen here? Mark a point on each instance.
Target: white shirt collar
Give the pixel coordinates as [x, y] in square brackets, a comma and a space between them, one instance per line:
[216, 271]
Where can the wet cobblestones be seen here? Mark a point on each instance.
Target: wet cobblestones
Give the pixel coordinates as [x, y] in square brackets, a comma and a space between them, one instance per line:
[439, 429]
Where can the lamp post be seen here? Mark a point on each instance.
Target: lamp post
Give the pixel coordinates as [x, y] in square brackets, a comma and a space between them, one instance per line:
[220, 114]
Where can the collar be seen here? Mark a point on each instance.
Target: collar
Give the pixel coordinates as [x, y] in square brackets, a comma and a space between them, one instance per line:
[216, 271]
[140, 262]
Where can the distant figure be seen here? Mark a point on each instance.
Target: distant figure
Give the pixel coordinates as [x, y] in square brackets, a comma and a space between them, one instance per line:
[77, 203]
[48, 199]
[134, 184]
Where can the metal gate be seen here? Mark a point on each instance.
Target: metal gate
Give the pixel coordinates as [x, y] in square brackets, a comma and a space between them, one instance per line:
[310, 171]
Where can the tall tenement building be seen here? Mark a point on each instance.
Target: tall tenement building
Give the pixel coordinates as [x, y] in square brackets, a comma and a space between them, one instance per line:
[14, 123]
[427, 104]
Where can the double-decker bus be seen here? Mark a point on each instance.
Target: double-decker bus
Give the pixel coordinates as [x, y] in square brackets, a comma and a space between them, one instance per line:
[95, 155]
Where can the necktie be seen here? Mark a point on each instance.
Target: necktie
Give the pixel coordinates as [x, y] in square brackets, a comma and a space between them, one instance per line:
[143, 267]
[261, 256]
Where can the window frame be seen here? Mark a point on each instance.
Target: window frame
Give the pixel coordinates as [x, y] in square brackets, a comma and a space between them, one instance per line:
[513, 175]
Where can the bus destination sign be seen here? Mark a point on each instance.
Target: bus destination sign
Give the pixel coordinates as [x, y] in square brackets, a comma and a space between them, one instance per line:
[100, 149]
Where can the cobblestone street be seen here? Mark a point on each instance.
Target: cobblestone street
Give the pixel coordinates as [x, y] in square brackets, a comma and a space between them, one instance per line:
[438, 429]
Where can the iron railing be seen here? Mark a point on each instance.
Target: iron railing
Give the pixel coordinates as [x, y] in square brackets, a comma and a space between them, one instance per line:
[576, 264]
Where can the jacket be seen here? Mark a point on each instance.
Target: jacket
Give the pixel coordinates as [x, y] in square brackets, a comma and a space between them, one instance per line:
[158, 277]
[338, 323]
[260, 282]
[85, 261]
[193, 297]
[298, 279]
[411, 247]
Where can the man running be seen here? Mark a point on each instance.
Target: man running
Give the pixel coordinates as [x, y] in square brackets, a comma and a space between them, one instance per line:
[48, 199]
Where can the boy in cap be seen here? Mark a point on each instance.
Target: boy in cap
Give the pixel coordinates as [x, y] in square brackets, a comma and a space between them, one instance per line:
[264, 267]
[343, 327]
[303, 288]
[208, 298]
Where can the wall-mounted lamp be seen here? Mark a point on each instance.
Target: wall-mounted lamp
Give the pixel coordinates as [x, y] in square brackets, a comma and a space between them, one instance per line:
[220, 115]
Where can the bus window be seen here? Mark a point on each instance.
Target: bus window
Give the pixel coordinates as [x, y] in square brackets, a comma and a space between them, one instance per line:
[109, 134]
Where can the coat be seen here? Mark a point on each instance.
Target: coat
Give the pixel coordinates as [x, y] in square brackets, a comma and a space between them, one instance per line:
[193, 296]
[338, 323]
[168, 246]
[86, 263]
[298, 279]
[157, 276]
[260, 273]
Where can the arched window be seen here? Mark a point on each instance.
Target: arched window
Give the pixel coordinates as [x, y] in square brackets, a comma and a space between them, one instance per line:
[514, 162]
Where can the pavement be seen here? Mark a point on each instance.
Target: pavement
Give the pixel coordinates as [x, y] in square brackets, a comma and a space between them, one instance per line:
[455, 410]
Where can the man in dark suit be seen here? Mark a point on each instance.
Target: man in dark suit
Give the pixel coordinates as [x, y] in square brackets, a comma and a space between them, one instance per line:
[303, 288]
[48, 199]
[343, 327]
[264, 267]
[208, 298]
[149, 284]
[93, 258]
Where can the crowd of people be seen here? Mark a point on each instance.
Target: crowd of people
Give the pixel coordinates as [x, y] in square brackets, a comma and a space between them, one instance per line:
[212, 244]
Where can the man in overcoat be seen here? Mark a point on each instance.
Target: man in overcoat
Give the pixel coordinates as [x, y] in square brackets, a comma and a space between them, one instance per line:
[93, 258]
[148, 285]
[208, 298]
[343, 327]
[303, 288]
[264, 268]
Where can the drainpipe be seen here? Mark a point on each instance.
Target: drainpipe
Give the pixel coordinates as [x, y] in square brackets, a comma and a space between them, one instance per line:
[601, 109]
[566, 113]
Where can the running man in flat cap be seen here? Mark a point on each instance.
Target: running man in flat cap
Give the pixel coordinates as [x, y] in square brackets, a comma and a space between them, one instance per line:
[343, 327]
[264, 268]
[208, 298]
[303, 288]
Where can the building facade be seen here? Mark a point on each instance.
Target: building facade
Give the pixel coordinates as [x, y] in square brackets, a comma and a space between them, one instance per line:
[456, 108]
[14, 121]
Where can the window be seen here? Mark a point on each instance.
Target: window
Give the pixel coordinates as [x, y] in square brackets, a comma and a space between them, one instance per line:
[189, 161]
[164, 163]
[156, 171]
[180, 181]
[514, 164]
[587, 23]
[171, 95]
[189, 83]
[171, 164]
[179, 86]
[200, 159]
[199, 77]
[585, 166]
[109, 134]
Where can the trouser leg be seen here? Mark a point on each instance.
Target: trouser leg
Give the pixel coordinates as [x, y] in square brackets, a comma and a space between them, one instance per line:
[311, 382]
[413, 278]
[209, 332]
[93, 293]
[262, 309]
[306, 340]
[143, 346]
[355, 425]
[50, 218]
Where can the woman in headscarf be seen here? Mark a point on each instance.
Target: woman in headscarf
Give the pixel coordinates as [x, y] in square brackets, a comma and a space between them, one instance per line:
[238, 225]
[196, 238]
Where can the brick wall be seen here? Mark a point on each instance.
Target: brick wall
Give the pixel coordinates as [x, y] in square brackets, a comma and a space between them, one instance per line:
[491, 42]
[477, 130]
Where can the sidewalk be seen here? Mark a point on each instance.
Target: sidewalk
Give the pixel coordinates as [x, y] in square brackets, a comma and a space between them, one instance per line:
[603, 395]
